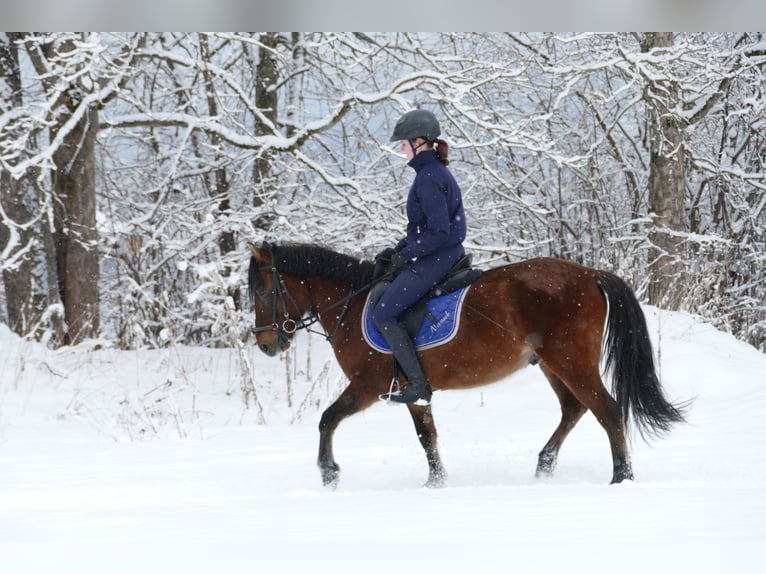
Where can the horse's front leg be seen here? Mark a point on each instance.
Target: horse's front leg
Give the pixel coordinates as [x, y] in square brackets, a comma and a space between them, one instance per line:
[346, 405]
[426, 429]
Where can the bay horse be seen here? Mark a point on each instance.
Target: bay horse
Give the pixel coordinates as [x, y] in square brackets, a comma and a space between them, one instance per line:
[556, 313]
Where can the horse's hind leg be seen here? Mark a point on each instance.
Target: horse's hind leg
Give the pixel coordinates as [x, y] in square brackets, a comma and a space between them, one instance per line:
[572, 411]
[609, 415]
[586, 385]
[426, 429]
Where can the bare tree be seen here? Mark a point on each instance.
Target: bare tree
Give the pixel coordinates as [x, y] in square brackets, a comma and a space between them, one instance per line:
[25, 238]
[75, 81]
[266, 99]
[667, 180]
[73, 183]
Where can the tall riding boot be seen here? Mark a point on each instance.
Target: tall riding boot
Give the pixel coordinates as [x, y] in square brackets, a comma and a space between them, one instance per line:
[417, 390]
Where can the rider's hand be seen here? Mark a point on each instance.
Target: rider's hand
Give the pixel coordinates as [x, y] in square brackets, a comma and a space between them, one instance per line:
[398, 261]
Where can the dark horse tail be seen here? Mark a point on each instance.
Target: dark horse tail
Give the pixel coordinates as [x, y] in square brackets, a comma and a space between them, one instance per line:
[630, 360]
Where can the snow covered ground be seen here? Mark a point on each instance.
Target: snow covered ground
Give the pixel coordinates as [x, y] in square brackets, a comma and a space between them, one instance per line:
[149, 462]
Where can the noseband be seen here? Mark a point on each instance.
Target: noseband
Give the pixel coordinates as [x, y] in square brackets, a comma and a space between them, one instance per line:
[278, 291]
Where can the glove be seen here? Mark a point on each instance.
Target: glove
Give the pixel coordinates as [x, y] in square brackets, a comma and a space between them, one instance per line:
[385, 255]
[382, 261]
[398, 261]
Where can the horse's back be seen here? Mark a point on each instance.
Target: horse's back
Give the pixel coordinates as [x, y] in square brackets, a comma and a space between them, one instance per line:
[544, 269]
[543, 297]
[544, 278]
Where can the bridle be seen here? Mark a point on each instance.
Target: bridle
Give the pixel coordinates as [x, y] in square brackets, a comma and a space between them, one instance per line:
[279, 289]
[288, 326]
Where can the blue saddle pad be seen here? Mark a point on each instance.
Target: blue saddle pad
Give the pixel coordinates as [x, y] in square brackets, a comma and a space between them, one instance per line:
[440, 325]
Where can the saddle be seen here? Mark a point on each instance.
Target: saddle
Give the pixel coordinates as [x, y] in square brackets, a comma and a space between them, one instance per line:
[461, 275]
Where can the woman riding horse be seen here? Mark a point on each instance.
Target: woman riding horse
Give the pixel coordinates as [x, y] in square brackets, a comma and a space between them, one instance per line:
[436, 229]
[560, 315]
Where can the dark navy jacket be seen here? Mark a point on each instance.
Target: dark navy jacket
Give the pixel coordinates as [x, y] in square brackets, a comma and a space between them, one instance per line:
[435, 235]
[434, 209]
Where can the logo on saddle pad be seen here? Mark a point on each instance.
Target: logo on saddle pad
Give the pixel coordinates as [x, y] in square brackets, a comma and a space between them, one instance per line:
[439, 326]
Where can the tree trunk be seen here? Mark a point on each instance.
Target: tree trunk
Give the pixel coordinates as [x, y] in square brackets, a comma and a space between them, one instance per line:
[666, 185]
[267, 76]
[75, 236]
[75, 233]
[266, 80]
[220, 188]
[25, 279]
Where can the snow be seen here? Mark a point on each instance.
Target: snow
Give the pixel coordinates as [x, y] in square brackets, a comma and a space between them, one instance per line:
[148, 461]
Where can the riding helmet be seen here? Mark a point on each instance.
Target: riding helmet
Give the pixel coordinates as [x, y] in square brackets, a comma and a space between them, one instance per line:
[416, 124]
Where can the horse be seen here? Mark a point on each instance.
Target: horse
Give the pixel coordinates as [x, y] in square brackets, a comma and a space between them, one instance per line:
[551, 312]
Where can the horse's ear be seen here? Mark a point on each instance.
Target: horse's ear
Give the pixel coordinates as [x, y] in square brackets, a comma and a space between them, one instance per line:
[261, 254]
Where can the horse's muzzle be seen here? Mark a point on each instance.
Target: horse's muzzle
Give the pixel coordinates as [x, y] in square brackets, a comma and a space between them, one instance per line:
[269, 350]
[272, 348]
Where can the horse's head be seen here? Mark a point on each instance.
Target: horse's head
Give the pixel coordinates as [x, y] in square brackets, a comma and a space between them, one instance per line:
[286, 281]
[276, 314]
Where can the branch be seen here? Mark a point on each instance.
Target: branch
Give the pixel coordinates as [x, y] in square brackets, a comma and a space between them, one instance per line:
[723, 85]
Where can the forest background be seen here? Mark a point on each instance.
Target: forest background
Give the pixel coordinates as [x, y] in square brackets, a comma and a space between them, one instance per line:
[134, 167]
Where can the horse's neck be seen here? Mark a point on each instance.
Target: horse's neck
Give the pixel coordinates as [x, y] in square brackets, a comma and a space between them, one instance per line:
[331, 302]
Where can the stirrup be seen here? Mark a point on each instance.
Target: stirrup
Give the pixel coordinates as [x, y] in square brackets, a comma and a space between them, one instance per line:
[391, 392]
[405, 396]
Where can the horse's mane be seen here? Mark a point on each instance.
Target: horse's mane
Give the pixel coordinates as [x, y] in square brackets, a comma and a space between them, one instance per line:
[306, 260]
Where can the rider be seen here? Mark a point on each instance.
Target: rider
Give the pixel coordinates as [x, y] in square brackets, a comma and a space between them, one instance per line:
[436, 229]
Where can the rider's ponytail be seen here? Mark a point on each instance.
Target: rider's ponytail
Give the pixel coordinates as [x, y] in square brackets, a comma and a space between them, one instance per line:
[442, 150]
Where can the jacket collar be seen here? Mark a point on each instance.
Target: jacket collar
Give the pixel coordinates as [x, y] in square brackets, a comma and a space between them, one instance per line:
[422, 159]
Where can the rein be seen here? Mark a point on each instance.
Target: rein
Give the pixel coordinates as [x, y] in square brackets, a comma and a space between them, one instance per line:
[289, 325]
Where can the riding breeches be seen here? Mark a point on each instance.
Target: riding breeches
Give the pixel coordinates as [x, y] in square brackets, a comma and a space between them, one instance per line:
[414, 282]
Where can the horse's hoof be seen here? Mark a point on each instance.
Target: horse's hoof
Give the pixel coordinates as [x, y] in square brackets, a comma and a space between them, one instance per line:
[622, 473]
[330, 475]
[546, 464]
[619, 479]
[436, 481]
